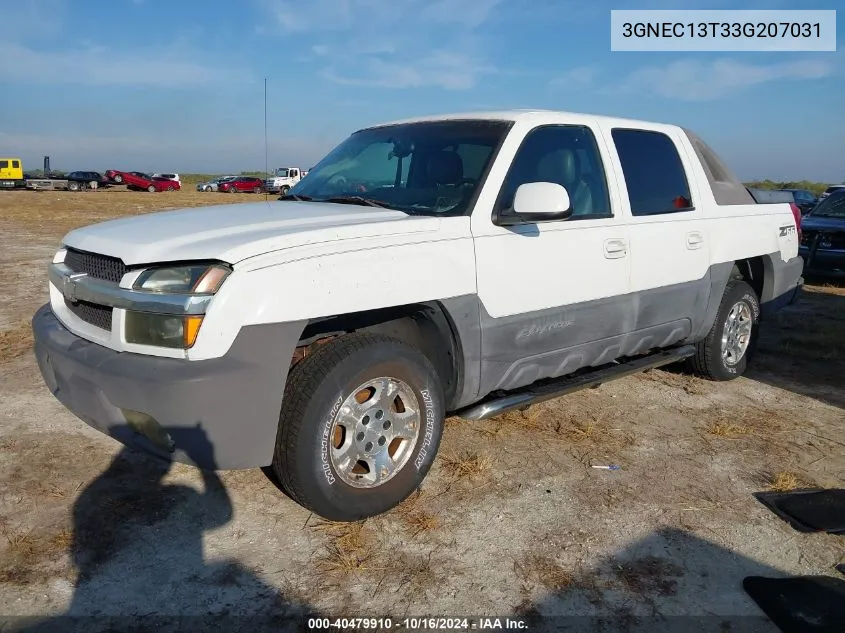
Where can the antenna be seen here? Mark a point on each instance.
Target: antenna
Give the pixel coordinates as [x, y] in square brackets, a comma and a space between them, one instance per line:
[266, 164]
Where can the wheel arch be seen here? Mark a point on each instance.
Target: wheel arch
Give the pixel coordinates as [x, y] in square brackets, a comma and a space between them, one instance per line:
[429, 326]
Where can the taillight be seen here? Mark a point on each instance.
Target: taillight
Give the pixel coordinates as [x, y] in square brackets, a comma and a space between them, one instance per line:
[797, 213]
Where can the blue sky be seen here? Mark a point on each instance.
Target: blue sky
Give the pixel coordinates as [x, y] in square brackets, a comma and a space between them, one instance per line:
[178, 86]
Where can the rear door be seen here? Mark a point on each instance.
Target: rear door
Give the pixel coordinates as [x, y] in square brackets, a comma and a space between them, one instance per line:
[667, 232]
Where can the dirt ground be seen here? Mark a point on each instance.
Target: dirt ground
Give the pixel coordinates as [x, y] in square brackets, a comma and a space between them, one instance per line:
[512, 520]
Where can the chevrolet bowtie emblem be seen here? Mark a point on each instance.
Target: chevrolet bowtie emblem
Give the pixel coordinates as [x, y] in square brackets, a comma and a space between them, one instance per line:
[69, 286]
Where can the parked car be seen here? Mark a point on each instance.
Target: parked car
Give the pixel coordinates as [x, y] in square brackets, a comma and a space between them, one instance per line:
[327, 335]
[823, 239]
[830, 190]
[174, 177]
[805, 200]
[242, 184]
[140, 180]
[81, 179]
[212, 185]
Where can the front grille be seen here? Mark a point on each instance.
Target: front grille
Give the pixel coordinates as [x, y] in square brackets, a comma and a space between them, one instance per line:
[97, 315]
[97, 266]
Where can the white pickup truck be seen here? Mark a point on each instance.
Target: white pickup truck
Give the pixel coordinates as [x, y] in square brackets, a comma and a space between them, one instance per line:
[465, 264]
[284, 179]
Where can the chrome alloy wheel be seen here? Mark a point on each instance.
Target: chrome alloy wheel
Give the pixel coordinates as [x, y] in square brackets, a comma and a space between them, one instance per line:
[736, 333]
[375, 432]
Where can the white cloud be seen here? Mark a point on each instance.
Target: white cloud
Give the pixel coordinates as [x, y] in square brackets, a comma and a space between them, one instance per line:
[447, 70]
[577, 77]
[697, 80]
[389, 43]
[99, 66]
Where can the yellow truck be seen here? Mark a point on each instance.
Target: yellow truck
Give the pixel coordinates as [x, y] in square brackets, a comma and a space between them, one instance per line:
[11, 173]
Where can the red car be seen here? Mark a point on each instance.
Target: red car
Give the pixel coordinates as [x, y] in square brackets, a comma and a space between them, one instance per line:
[140, 180]
[242, 183]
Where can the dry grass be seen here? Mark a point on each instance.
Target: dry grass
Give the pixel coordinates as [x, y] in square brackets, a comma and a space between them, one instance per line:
[649, 575]
[16, 342]
[350, 549]
[54, 213]
[545, 571]
[726, 430]
[417, 519]
[785, 481]
[22, 561]
[690, 384]
[466, 465]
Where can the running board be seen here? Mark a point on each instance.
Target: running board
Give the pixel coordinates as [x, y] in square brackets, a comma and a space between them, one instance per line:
[527, 396]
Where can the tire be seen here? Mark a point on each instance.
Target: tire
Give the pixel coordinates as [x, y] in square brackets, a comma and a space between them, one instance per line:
[73, 186]
[284, 190]
[118, 178]
[319, 389]
[233, 189]
[256, 190]
[710, 360]
[171, 188]
[151, 189]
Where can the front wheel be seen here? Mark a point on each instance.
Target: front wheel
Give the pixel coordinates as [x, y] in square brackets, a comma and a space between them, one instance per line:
[233, 190]
[360, 425]
[151, 189]
[724, 353]
[256, 190]
[118, 178]
[284, 190]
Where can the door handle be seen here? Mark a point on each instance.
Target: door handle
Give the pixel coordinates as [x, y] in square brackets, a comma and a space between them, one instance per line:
[614, 249]
[694, 239]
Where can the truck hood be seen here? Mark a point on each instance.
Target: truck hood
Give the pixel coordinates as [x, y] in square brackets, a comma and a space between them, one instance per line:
[234, 232]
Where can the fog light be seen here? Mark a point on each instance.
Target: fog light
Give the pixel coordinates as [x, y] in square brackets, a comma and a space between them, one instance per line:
[146, 425]
[162, 330]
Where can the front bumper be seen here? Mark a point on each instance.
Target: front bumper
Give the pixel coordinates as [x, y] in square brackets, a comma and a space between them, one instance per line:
[215, 414]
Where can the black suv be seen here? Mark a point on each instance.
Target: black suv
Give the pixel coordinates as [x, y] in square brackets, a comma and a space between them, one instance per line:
[80, 179]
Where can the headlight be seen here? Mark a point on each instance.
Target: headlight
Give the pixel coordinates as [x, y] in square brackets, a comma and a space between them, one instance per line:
[192, 279]
[162, 330]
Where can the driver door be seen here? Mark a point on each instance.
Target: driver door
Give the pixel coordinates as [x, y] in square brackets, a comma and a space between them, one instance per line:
[554, 295]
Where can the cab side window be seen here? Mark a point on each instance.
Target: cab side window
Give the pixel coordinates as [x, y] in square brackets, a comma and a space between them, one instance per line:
[566, 155]
[653, 171]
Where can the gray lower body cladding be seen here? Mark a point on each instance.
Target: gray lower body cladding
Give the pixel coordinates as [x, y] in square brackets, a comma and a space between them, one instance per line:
[215, 414]
[515, 351]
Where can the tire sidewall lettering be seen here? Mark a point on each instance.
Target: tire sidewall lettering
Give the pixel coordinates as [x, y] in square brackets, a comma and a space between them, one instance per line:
[428, 403]
[325, 462]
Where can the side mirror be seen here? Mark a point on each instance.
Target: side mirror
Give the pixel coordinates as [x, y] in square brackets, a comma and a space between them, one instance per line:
[538, 202]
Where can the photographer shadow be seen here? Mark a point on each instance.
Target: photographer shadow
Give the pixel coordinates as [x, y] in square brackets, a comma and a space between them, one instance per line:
[139, 555]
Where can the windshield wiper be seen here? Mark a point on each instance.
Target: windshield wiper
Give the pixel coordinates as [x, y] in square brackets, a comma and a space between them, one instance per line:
[364, 202]
[295, 196]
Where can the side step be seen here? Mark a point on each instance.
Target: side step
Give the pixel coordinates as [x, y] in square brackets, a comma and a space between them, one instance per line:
[522, 398]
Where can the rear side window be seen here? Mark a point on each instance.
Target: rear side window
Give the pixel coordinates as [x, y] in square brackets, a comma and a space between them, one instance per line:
[653, 171]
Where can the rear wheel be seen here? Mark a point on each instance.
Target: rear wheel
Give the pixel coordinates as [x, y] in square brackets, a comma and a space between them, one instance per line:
[360, 425]
[233, 189]
[724, 353]
[171, 188]
[151, 189]
[73, 186]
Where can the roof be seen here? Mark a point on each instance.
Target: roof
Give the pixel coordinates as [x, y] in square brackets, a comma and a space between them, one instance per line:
[532, 116]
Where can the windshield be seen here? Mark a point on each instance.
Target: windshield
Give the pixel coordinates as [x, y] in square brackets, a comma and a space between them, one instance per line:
[427, 168]
[831, 207]
[282, 173]
[830, 190]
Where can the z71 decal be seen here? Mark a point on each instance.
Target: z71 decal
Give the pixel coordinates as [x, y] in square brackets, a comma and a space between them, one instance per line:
[787, 230]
